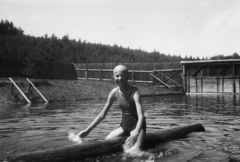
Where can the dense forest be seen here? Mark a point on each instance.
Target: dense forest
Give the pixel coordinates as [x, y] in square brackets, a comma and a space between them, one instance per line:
[15, 45]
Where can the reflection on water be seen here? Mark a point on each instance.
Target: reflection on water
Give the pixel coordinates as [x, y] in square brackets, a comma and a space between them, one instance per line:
[26, 128]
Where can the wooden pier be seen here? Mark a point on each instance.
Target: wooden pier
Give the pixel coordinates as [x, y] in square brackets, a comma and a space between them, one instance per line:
[211, 76]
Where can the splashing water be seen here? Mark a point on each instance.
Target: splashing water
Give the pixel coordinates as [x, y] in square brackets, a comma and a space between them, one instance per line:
[134, 152]
[75, 137]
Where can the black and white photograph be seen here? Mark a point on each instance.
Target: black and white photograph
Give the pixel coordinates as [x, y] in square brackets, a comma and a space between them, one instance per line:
[119, 80]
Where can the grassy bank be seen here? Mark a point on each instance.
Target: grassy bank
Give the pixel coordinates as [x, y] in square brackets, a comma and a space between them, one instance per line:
[67, 90]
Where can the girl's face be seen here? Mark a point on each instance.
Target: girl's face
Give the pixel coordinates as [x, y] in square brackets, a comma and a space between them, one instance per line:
[120, 77]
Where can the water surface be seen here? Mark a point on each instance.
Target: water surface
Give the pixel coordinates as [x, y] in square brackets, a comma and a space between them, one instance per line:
[26, 128]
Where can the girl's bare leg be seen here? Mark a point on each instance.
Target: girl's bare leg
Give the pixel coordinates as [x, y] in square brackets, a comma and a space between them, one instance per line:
[136, 149]
[116, 133]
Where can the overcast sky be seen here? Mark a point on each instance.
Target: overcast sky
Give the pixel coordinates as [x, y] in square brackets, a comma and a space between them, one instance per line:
[201, 28]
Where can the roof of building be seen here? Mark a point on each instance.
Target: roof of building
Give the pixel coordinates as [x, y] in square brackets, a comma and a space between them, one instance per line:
[234, 61]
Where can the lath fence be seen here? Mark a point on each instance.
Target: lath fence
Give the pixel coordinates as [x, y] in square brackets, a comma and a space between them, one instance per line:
[138, 72]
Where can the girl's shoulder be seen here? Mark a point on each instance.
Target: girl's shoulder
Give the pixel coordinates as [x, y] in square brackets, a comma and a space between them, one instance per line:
[114, 92]
[133, 88]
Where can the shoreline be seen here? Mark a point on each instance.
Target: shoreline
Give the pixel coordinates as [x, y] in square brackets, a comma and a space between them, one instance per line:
[57, 90]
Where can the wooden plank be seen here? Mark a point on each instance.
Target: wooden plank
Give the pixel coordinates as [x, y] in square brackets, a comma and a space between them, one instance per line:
[184, 78]
[188, 85]
[133, 76]
[100, 74]
[222, 84]
[170, 79]
[239, 84]
[174, 74]
[76, 68]
[37, 90]
[141, 81]
[86, 72]
[214, 77]
[211, 61]
[96, 148]
[234, 84]
[160, 81]
[25, 97]
[196, 86]
[168, 70]
[195, 73]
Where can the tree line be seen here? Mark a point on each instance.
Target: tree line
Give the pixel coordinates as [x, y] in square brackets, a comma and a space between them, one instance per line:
[15, 45]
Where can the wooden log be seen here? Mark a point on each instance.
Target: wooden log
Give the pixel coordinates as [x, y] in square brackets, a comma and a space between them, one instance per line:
[95, 148]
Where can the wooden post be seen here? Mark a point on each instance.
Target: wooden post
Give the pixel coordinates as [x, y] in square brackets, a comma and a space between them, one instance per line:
[86, 72]
[217, 81]
[154, 82]
[239, 84]
[196, 84]
[184, 78]
[234, 84]
[133, 79]
[100, 74]
[188, 80]
[201, 73]
[222, 84]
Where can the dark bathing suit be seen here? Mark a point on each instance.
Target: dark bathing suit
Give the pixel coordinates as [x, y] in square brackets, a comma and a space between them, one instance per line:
[129, 111]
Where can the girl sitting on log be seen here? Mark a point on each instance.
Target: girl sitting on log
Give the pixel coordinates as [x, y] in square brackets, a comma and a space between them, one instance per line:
[128, 100]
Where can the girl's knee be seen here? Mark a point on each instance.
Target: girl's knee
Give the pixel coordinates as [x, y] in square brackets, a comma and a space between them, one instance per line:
[115, 133]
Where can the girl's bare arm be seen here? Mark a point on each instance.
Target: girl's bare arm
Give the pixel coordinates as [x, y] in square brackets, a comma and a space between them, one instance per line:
[101, 115]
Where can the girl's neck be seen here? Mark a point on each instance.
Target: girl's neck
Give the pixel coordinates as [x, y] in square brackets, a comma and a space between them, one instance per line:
[124, 89]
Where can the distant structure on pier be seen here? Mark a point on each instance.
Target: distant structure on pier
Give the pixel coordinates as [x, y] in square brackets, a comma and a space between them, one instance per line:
[211, 76]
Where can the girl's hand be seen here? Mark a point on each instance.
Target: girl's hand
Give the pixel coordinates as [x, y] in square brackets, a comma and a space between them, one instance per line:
[134, 133]
[78, 138]
[132, 139]
[74, 137]
[83, 134]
